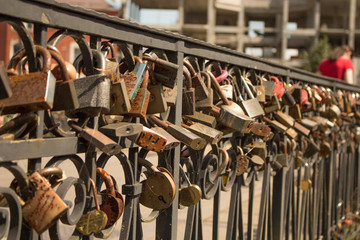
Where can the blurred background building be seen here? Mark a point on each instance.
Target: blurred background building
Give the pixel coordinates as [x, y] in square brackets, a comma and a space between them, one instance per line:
[274, 29]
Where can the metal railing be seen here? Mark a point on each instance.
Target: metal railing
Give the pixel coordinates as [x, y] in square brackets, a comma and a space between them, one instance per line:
[303, 202]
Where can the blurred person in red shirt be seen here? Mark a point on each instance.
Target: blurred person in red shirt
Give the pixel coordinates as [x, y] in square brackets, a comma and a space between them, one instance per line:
[339, 65]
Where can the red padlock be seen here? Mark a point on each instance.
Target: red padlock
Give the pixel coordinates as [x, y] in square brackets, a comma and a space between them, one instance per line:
[304, 97]
[279, 89]
[224, 74]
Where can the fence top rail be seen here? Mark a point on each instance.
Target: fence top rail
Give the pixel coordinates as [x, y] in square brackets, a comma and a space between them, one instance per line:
[66, 16]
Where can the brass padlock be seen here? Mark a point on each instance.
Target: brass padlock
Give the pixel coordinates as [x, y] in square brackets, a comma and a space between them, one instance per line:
[158, 189]
[191, 194]
[93, 221]
[97, 139]
[33, 91]
[112, 201]
[295, 112]
[170, 95]
[272, 105]
[276, 125]
[284, 118]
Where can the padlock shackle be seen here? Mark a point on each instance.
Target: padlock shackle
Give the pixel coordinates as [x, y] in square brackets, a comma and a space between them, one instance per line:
[217, 87]
[148, 165]
[107, 46]
[26, 40]
[93, 187]
[110, 188]
[187, 78]
[60, 61]
[43, 52]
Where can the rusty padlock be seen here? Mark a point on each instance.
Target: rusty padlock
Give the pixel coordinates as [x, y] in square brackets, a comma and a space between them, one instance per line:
[150, 140]
[158, 189]
[208, 102]
[33, 91]
[5, 89]
[42, 206]
[139, 105]
[112, 201]
[97, 139]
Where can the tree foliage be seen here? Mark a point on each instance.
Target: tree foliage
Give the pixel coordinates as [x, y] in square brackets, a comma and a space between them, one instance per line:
[320, 50]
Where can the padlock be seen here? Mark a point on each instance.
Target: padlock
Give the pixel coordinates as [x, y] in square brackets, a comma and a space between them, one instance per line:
[170, 95]
[287, 98]
[325, 149]
[312, 148]
[164, 71]
[279, 87]
[121, 129]
[272, 105]
[258, 82]
[119, 99]
[206, 103]
[202, 118]
[182, 134]
[191, 194]
[149, 140]
[211, 135]
[33, 91]
[242, 162]
[309, 124]
[19, 126]
[201, 91]
[171, 142]
[301, 129]
[257, 150]
[93, 91]
[42, 206]
[97, 139]
[227, 89]
[276, 125]
[93, 221]
[112, 201]
[284, 118]
[229, 114]
[158, 190]
[188, 99]
[269, 88]
[251, 106]
[5, 89]
[139, 105]
[65, 94]
[158, 102]
[283, 158]
[291, 133]
[295, 112]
